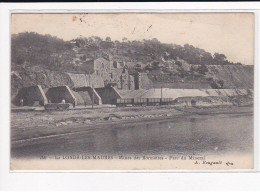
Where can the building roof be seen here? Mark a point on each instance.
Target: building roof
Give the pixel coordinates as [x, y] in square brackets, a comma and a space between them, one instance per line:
[176, 93]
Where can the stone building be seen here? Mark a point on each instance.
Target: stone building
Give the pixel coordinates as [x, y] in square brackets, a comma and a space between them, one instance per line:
[102, 66]
[126, 80]
[112, 72]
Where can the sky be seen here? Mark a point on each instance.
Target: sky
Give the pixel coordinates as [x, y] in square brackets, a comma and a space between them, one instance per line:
[229, 33]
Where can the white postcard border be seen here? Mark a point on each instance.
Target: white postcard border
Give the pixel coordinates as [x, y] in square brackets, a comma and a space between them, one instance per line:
[18, 180]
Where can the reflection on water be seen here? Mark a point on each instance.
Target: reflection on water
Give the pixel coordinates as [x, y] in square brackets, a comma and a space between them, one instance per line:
[206, 135]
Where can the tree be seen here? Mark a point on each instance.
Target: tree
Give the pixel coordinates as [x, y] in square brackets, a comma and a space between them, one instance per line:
[91, 40]
[155, 40]
[108, 39]
[202, 69]
[219, 58]
[97, 39]
[206, 58]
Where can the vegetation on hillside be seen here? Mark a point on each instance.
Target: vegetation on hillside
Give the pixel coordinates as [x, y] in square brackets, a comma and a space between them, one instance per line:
[150, 50]
[164, 63]
[52, 53]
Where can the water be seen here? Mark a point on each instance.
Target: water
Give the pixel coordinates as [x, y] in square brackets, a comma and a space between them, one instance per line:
[217, 134]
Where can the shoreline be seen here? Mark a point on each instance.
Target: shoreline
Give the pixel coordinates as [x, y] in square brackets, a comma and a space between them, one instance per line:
[130, 116]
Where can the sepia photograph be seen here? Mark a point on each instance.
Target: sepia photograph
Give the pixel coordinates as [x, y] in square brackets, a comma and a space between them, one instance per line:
[132, 91]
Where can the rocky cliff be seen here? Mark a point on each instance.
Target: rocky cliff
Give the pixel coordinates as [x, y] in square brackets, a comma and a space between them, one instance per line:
[216, 77]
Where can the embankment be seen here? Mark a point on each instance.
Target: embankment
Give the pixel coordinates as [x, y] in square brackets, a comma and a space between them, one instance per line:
[29, 125]
[231, 76]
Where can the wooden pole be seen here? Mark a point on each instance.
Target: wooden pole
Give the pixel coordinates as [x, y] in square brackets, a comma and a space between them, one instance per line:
[161, 94]
[89, 78]
[92, 96]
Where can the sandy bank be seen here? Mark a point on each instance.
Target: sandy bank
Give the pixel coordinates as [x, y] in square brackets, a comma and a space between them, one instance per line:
[32, 125]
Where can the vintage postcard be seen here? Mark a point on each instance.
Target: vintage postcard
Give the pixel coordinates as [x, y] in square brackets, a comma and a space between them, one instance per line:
[132, 91]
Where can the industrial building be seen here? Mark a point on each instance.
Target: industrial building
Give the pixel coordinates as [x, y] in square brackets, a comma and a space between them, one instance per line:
[30, 96]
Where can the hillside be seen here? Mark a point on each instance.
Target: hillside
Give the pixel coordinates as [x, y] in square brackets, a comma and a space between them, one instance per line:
[215, 76]
[53, 53]
[47, 60]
